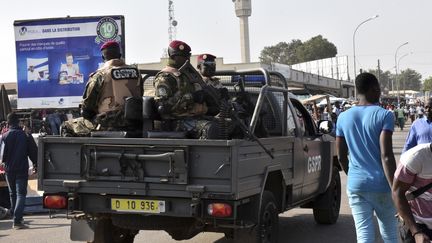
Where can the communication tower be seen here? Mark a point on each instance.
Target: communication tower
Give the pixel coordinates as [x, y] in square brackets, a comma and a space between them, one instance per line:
[172, 23]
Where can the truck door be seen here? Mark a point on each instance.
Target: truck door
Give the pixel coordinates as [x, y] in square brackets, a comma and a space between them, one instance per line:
[309, 160]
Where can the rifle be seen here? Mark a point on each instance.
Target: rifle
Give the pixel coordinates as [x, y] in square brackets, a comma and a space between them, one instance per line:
[193, 75]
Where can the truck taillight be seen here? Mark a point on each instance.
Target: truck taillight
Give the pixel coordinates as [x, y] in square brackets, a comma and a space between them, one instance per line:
[219, 209]
[55, 202]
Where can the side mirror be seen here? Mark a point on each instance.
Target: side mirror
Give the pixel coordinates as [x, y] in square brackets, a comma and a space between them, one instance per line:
[325, 126]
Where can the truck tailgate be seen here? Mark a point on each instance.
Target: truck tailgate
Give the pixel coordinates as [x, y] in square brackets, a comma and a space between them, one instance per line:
[160, 167]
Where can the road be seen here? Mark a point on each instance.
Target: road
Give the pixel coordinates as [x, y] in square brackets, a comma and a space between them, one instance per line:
[295, 225]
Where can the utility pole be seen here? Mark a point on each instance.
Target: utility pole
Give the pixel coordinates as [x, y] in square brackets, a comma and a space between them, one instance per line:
[379, 72]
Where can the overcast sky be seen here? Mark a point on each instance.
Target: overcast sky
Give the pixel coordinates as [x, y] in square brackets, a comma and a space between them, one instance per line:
[211, 26]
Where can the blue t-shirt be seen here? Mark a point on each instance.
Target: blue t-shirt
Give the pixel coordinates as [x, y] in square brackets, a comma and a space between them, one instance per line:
[420, 132]
[361, 127]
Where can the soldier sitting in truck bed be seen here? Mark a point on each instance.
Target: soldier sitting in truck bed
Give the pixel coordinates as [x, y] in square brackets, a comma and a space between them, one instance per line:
[105, 94]
[181, 101]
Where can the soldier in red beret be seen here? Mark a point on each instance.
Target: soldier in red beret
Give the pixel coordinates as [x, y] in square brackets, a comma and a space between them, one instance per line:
[104, 97]
[173, 91]
[180, 100]
[206, 64]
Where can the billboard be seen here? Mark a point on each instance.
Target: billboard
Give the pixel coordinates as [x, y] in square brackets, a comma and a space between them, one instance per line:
[56, 56]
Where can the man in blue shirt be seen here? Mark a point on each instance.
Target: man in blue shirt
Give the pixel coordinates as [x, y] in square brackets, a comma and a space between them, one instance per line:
[17, 147]
[365, 132]
[421, 130]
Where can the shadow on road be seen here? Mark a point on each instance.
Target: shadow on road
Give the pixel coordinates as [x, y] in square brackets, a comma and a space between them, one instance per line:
[302, 228]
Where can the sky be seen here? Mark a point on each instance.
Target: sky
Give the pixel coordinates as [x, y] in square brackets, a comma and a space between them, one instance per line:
[210, 26]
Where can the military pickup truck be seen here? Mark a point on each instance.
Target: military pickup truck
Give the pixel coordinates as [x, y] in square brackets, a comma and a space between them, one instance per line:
[112, 185]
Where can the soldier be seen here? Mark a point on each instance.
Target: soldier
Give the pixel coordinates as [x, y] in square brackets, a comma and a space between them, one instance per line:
[105, 94]
[206, 65]
[180, 101]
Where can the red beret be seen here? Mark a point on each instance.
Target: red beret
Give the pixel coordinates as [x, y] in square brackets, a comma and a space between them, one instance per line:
[108, 44]
[180, 48]
[206, 58]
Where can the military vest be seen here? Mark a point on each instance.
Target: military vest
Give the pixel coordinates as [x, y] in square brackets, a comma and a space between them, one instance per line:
[119, 82]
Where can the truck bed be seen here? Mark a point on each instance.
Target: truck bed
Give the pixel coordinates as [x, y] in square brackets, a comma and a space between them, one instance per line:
[232, 169]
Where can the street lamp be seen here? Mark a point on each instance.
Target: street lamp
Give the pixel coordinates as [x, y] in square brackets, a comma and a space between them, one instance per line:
[355, 31]
[396, 66]
[400, 58]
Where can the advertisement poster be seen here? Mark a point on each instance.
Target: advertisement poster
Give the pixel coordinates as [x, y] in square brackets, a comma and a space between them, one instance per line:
[56, 56]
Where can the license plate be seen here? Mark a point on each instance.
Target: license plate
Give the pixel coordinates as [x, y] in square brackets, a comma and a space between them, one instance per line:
[137, 205]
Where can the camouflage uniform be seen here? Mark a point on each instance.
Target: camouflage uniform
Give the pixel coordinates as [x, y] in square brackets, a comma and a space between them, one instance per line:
[179, 105]
[176, 94]
[104, 97]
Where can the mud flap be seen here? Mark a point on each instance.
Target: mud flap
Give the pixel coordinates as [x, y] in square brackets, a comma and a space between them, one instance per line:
[82, 230]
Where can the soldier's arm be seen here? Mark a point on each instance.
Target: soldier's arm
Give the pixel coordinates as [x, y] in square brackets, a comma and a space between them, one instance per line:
[165, 88]
[91, 96]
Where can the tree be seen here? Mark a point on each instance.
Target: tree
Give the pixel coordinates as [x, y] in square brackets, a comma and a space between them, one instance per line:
[281, 53]
[296, 52]
[385, 79]
[316, 48]
[409, 79]
[427, 84]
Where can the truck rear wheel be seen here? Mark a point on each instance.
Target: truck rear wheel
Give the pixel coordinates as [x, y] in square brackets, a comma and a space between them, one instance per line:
[267, 229]
[326, 207]
[106, 232]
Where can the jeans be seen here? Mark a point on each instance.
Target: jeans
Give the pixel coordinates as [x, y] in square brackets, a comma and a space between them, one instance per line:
[363, 205]
[55, 122]
[17, 183]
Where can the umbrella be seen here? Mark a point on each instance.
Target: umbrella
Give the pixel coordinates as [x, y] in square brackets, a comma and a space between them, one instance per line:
[5, 106]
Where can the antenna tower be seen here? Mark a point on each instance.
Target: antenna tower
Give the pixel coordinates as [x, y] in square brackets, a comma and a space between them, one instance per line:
[172, 23]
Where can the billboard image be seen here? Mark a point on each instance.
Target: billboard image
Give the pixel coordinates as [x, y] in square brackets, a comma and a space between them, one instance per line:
[56, 56]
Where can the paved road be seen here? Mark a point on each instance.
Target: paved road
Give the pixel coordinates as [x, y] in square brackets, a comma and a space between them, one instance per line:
[295, 225]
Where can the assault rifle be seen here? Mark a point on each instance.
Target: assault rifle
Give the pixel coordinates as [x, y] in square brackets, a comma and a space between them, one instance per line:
[193, 76]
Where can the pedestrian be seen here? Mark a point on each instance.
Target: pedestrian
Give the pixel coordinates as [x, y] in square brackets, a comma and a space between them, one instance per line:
[17, 147]
[421, 130]
[412, 194]
[54, 121]
[420, 111]
[104, 96]
[365, 133]
[401, 117]
[412, 114]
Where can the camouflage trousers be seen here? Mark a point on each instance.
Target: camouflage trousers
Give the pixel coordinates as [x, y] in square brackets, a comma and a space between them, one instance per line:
[110, 121]
[194, 128]
[79, 127]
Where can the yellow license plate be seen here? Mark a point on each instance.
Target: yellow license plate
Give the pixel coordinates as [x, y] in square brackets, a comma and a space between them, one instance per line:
[137, 205]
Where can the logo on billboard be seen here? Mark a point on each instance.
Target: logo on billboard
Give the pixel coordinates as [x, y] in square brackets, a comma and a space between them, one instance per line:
[23, 30]
[107, 30]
